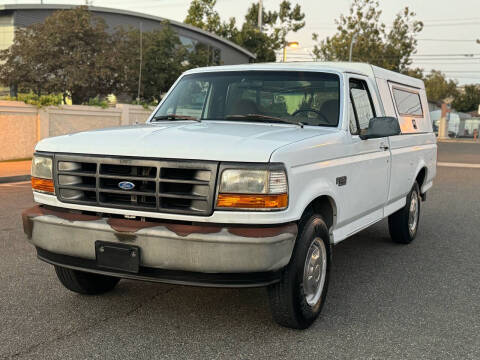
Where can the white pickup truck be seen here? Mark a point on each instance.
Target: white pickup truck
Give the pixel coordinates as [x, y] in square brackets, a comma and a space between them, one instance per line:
[243, 176]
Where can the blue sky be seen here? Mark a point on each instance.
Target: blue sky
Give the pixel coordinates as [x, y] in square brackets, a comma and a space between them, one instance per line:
[451, 27]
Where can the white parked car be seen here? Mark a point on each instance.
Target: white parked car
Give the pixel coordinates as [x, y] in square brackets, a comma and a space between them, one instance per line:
[243, 176]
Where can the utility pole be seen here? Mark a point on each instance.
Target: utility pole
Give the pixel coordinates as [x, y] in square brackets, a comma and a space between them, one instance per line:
[443, 126]
[260, 15]
[141, 60]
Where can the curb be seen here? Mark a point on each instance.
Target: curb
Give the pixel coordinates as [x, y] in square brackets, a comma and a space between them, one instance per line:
[458, 165]
[11, 179]
[458, 141]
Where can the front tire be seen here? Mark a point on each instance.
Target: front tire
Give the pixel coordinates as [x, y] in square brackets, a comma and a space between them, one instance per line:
[85, 283]
[297, 300]
[403, 224]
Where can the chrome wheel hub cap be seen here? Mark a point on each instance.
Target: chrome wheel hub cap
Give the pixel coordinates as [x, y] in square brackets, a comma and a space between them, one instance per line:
[413, 213]
[314, 272]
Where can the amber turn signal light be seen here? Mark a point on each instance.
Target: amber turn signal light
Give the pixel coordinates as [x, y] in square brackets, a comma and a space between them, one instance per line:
[43, 185]
[252, 201]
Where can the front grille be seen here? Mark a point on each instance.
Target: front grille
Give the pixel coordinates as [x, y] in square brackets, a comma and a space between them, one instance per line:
[173, 186]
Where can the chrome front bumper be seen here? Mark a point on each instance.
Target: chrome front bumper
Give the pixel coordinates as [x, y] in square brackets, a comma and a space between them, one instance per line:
[202, 248]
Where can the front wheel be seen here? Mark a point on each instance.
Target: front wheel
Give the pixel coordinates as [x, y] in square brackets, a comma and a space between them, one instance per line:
[403, 224]
[296, 301]
[85, 283]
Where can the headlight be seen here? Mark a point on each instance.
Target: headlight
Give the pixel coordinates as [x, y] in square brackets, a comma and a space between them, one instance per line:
[253, 189]
[42, 167]
[42, 174]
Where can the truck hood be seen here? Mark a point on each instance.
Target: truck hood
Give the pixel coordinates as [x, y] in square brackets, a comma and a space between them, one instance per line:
[208, 140]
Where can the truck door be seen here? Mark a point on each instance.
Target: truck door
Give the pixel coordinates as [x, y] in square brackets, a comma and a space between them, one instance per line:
[370, 159]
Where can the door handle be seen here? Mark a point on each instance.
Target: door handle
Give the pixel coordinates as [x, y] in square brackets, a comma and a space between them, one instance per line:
[384, 147]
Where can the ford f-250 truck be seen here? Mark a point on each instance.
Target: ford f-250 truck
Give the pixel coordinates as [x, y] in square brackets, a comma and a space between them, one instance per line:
[243, 176]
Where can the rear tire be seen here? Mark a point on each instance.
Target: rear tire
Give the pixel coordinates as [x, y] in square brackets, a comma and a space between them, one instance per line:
[85, 283]
[297, 300]
[403, 224]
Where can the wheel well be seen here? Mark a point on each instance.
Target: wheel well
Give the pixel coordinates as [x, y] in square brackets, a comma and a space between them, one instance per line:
[326, 207]
[421, 177]
[420, 180]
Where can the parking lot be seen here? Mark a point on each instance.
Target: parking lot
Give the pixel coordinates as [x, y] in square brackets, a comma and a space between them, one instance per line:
[419, 301]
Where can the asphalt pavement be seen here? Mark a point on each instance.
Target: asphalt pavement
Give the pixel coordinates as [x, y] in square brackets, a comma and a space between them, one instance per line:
[386, 301]
[459, 152]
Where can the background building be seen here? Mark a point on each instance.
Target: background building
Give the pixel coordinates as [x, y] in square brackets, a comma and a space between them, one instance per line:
[221, 51]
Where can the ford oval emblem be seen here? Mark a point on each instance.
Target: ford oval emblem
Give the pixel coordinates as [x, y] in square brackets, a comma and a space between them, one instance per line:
[126, 185]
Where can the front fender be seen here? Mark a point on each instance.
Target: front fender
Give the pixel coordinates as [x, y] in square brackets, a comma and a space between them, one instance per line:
[310, 184]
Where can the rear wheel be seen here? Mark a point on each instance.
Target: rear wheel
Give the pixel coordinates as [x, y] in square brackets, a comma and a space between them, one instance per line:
[85, 283]
[403, 224]
[296, 301]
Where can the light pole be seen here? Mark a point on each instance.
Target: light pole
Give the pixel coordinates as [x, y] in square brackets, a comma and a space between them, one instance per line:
[354, 38]
[141, 63]
[291, 44]
[260, 15]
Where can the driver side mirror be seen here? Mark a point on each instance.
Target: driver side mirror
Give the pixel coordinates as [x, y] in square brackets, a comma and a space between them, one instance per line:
[379, 127]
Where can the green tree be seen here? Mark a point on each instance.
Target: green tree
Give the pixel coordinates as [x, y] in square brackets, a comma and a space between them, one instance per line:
[126, 47]
[22, 64]
[164, 59]
[438, 87]
[276, 25]
[415, 72]
[70, 53]
[391, 49]
[202, 14]
[467, 100]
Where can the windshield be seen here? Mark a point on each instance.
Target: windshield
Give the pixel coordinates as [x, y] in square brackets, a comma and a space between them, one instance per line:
[308, 98]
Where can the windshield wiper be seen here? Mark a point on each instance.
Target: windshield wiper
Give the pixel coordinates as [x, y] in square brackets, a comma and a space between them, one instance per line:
[266, 118]
[175, 117]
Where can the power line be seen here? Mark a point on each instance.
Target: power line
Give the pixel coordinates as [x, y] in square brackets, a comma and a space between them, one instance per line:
[472, 60]
[423, 63]
[461, 71]
[470, 56]
[325, 27]
[453, 24]
[462, 65]
[428, 61]
[448, 40]
[452, 19]
[462, 58]
[466, 55]
[463, 77]
[448, 62]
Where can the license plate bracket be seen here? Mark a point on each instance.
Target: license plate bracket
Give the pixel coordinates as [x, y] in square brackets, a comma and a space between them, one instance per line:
[115, 256]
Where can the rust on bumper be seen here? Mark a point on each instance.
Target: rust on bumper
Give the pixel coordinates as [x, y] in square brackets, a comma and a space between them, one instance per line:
[38, 210]
[190, 247]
